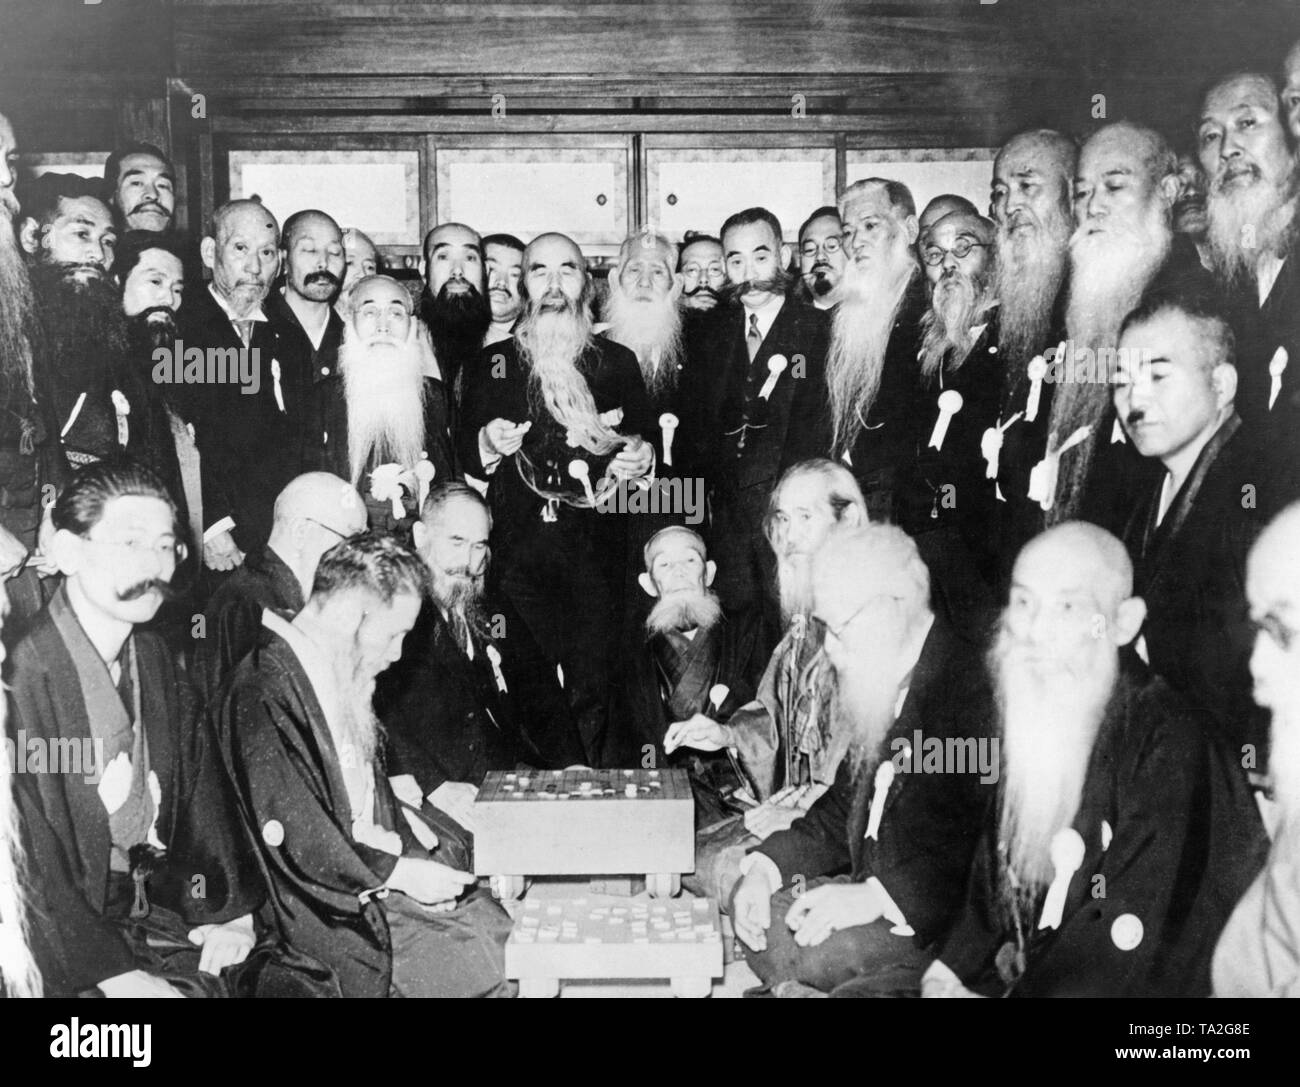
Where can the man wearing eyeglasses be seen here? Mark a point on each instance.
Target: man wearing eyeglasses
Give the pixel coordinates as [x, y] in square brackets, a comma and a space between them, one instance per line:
[821, 258]
[1259, 951]
[313, 513]
[138, 867]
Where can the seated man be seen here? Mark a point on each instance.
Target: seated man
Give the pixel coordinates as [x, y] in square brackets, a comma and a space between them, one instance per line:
[352, 882]
[868, 888]
[1259, 951]
[787, 741]
[312, 514]
[137, 865]
[676, 660]
[472, 691]
[1124, 832]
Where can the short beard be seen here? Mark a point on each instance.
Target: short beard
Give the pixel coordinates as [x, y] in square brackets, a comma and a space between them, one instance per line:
[1028, 273]
[863, 710]
[957, 302]
[794, 586]
[84, 331]
[870, 300]
[1261, 213]
[18, 326]
[653, 330]
[460, 596]
[1050, 720]
[457, 322]
[551, 341]
[682, 611]
[384, 392]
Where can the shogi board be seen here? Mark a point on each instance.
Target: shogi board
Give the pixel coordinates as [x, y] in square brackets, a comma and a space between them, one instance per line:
[584, 823]
[578, 938]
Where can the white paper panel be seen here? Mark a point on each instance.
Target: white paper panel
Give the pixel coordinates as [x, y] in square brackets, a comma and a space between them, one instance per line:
[581, 192]
[85, 163]
[708, 186]
[966, 173]
[377, 192]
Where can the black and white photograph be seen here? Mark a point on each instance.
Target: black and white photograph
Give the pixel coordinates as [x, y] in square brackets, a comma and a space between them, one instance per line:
[651, 499]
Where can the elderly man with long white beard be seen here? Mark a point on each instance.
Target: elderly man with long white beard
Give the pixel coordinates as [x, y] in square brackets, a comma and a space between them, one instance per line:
[875, 873]
[1246, 151]
[1259, 951]
[380, 423]
[1124, 831]
[555, 419]
[875, 335]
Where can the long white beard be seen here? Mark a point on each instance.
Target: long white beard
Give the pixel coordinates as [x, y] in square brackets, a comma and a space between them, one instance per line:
[1284, 760]
[18, 973]
[957, 303]
[384, 390]
[653, 330]
[1245, 221]
[683, 611]
[794, 586]
[864, 320]
[17, 310]
[1030, 269]
[864, 710]
[1050, 720]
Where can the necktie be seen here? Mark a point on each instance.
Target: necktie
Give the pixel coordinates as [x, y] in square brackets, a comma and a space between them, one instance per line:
[245, 330]
[753, 339]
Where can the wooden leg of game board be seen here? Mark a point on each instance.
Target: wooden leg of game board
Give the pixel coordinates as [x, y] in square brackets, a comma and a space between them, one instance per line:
[540, 988]
[663, 884]
[691, 988]
[507, 888]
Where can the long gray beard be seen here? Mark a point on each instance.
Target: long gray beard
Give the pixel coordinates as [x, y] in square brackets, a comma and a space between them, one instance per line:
[1049, 726]
[794, 587]
[17, 313]
[1284, 761]
[550, 345]
[653, 330]
[1029, 271]
[460, 598]
[864, 320]
[684, 611]
[1245, 222]
[384, 391]
[958, 303]
[864, 712]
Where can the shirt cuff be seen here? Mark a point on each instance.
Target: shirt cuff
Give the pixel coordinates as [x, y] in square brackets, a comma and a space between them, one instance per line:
[765, 864]
[226, 524]
[486, 455]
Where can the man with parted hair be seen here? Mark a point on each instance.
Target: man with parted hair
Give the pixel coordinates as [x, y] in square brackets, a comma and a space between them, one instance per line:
[313, 257]
[352, 873]
[1124, 830]
[556, 419]
[876, 872]
[821, 258]
[875, 336]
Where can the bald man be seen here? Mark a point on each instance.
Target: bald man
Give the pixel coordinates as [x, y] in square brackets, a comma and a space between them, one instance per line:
[554, 418]
[312, 254]
[1259, 951]
[454, 303]
[851, 896]
[1123, 830]
[936, 209]
[313, 513]
[248, 435]
[361, 258]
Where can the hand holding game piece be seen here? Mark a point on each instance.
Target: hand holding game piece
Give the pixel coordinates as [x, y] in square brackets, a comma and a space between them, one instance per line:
[428, 882]
[700, 732]
[752, 908]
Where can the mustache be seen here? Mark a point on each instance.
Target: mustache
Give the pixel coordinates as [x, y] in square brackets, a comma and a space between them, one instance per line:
[149, 202]
[773, 284]
[323, 276]
[701, 289]
[445, 290]
[153, 584]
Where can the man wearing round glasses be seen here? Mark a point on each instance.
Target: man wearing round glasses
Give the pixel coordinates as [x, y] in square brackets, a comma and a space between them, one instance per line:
[821, 257]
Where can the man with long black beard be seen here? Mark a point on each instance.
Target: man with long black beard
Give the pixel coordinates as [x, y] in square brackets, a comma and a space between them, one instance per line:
[555, 419]
[380, 423]
[945, 499]
[757, 368]
[1254, 191]
[871, 363]
[1259, 950]
[23, 434]
[1033, 182]
[70, 239]
[313, 258]
[472, 691]
[1125, 187]
[1124, 831]
[454, 304]
[876, 872]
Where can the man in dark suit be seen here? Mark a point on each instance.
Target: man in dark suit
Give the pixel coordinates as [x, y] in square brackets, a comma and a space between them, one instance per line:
[302, 311]
[1126, 830]
[874, 874]
[757, 367]
[471, 691]
[247, 433]
[1190, 531]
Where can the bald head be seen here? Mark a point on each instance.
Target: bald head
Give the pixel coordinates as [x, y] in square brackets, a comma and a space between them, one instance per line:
[242, 215]
[1080, 558]
[672, 538]
[941, 206]
[380, 311]
[1047, 150]
[1273, 591]
[325, 497]
[1126, 141]
[857, 564]
[360, 258]
[312, 249]
[553, 262]
[243, 252]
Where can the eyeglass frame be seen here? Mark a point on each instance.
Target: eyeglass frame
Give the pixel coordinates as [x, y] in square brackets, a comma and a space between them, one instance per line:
[823, 246]
[930, 250]
[180, 550]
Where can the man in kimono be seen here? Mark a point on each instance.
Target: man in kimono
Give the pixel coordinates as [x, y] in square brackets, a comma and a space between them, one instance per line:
[350, 874]
[1124, 831]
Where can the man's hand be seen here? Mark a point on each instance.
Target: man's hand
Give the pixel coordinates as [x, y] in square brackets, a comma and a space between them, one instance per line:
[821, 911]
[751, 907]
[502, 437]
[939, 982]
[224, 945]
[635, 461]
[767, 819]
[428, 882]
[221, 552]
[12, 553]
[700, 732]
[136, 983]
[456, 798]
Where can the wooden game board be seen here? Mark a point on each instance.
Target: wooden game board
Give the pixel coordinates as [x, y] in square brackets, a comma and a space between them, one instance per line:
[580, 937]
